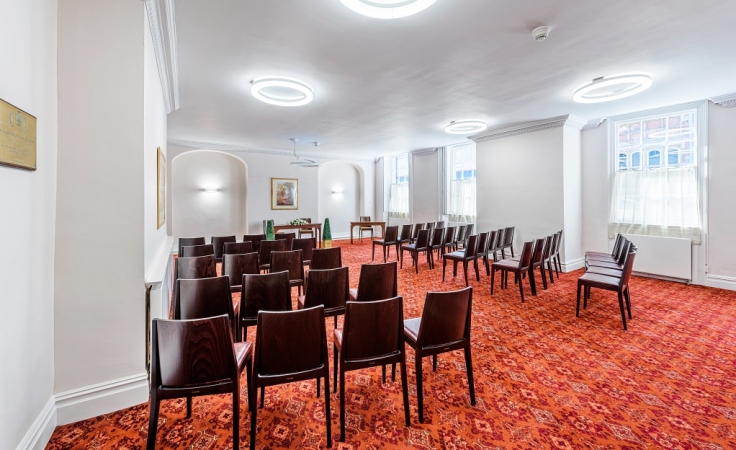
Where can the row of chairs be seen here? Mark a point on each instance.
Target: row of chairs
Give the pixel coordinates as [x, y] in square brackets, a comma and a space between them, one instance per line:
[610, 272]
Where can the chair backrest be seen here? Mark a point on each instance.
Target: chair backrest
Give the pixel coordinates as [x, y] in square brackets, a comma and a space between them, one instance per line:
[264, 256]
[205, 297]
[365, 218]
[234, 248]
[236, 265]
[525, 259]
[392, 233]
[508, 236]
[265, 292]
[549, 243]
[417, 227]
[469, 229]
[482, 243]
[330, 288]
[538, 255]
[429, 226]
[255, 239]
[471, 249]
[493, 241]
[501, 238]
[422, 239]
[405, 233]
[437, 236]
[624, 252]
[290, 261]
[446, 318]
[290, 342]
[449, 235]
[373, 329]
[326, 258]
[628, 265]
[196, 267]
[189, 251]
[559, 241]
[553, 246]
[306, 245]
[440, 224]
[377, 281]
[617, 243]
[188, 242]
[288, 237]
[461, 233]
[192, 352]
[218, 243]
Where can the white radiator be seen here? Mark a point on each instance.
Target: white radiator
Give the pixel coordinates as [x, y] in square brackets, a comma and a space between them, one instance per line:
[662, 256]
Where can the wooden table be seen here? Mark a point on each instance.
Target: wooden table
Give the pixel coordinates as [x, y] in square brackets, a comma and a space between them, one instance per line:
[317, 227]
[367, 224]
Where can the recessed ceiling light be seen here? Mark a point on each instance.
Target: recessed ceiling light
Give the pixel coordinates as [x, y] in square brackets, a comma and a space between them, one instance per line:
[281, 91]
[465, 127]
[606, 89]
[388, 9]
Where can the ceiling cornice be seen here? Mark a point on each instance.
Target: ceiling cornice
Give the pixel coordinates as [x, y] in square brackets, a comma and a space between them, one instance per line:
[727, 101]
[594, 123]
[162, 22]
[424, 151]
[199, 145]
[531, 127]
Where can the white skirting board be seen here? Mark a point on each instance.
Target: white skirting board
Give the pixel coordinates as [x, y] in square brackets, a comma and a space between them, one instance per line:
[102, 398]
[721, 281]
[573, 264]
[40, 432]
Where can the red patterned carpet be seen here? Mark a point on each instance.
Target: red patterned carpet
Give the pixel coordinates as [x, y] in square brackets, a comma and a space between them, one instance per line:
[544, 379]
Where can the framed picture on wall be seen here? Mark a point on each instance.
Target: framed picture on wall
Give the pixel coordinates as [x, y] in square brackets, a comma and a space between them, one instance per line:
[284, 193]
[160, 189]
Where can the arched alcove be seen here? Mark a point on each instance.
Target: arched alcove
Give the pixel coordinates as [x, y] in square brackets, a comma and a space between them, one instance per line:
[340, 192]
[208, 194]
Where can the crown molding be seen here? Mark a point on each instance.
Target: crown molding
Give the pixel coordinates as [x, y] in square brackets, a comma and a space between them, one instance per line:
[727, 101]
[199, 145]
[531, 127]
[595, 123]
[424, 151]
[162, 23]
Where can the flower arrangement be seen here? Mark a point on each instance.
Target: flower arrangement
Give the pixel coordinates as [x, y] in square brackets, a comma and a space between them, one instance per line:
[298, 222]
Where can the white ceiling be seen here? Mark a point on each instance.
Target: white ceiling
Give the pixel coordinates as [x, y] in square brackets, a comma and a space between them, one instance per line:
[390, 86]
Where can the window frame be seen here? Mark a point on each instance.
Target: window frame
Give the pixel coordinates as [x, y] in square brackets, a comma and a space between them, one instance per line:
[448, 170]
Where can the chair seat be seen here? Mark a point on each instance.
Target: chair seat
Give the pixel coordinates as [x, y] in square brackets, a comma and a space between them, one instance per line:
[298, 282]
[601, 281]
[506, 264]
[243, 352]
[601, 258]
[353, 294]
[603, 271]
[604, 265]
[265, 266]
[455, 256]
[597, 254]
[382, 242]
[409, 247]
[411, 328]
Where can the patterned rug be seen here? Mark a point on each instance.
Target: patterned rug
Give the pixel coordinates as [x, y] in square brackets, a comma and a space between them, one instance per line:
[543, 379]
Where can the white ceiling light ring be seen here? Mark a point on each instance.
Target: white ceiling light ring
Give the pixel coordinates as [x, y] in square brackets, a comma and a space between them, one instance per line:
[388, 9]
[604, 89]
[272, 90]
[465, 127]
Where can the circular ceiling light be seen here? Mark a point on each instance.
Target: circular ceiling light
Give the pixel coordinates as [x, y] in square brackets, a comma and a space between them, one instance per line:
[388, 9]
[281, 91]
[465, 127]
[606, 89]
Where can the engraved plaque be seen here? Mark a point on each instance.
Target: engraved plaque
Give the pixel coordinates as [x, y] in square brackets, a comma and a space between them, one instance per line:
[17, 137]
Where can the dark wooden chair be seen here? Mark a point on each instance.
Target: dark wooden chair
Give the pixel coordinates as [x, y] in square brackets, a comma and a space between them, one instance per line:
[326, 258]
[329, 288]
[483, 245]
[448, 242]
[607, 256]
[264, 256]
[263, 292]
[508, 241]
[188, 242]
[238, 248]
[421, 245]
[309, 231]
[549, 249]
[556, 254]
[193, 358]
[618, 284]
[537, 261]
[190, 251]
[218, 244]
[491, 251]
[256, 239]
[499, 244]
[363, 229]
[440, 224]
[290, 346]
[236, 265]
[469, 253]
[306, 245]
[468, 232]
[206, 297]
[519, 268]
[404, 237]
[436, 241]
[376, 282]
[372, 335]
[416, 228]
[389, 240]
[615, 268]
[196, 267]
[292, 262]
[289, 237]
[443, 327]
[459, 237]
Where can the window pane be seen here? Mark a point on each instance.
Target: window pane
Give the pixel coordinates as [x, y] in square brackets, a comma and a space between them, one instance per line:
[629, 134]
[655, 158]
[673, 156]
[622, 159]
[655, 130]
[636, 160]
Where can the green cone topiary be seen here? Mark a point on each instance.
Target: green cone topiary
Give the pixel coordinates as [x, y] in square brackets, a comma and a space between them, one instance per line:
[269, 231]
[326, 235]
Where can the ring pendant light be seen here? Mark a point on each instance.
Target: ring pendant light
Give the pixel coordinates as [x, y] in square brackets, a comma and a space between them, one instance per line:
[465, 127]
[388, 9]
[606, 89]
[281, 91]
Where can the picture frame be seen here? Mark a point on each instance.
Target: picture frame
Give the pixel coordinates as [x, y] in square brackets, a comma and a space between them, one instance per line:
[160, 188]
[17, 137]
[284, 193]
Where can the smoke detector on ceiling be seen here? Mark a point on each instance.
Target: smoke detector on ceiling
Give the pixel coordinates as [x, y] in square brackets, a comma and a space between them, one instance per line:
[540, 33]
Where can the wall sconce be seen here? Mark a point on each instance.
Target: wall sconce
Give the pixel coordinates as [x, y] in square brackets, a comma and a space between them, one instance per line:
[337, 191]
[210, 190]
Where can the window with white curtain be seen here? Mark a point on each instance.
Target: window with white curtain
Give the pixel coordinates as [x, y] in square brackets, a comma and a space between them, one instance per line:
[655, 187]
[460, 173]
[397, 178]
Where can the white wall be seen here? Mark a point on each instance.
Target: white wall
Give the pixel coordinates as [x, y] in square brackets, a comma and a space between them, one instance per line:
[154, 136]
[198, 213]
[27, 202]
[572, 243]
[596, 181]
[425, 186]
[343, 208]
[99, 309]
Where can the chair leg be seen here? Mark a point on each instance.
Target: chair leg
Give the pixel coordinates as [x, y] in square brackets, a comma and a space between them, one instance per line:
[328, 422]
[373, 253]
[454, 269]
[393, 372]
[511, 247]
[586, 296]
[383, 372]
[577, 307]
[152, 422]
[189, 407]
[465, 272]
[488, 266]
[521, 288]
[621, 307]
[384, 254]
[444, 266]
[405, 390]
[493, 276]
[503, 253]
[416, 262]
[263, 395]
[318, 391]
[401, 262]
[477, 274]
[434, 363]
[549, 271]
[469, 367]
[342, 405]
[334, 366]
[420, 393]
[627, 296]
[532, 281]
[544, 276]
[236, 414]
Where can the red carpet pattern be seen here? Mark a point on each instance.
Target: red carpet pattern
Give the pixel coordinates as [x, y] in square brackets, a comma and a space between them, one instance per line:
[543, 379]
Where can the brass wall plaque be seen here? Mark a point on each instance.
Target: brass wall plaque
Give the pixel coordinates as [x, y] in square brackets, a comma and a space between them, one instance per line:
[17, 137]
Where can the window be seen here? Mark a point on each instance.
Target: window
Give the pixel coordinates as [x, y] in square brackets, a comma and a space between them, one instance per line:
[655, 188]
[397, 179]
[461, 173]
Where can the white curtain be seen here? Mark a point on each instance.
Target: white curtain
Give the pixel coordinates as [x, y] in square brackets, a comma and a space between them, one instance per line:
[659, 202]
[398, 203]
[461, 201]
